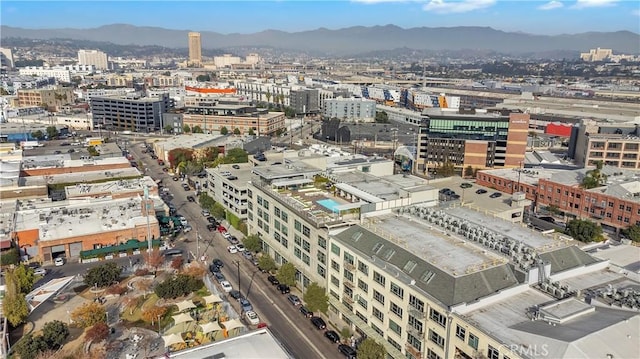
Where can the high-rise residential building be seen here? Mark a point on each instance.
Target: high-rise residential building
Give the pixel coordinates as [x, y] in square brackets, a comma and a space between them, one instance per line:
[195, 48]
[93, 57]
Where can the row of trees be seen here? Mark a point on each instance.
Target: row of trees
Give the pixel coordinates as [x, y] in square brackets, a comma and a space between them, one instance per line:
[197, 129]
[51, 132]
[178, 286]
[18, 282]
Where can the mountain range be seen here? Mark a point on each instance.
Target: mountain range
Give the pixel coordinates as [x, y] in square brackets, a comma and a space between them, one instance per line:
[349, 41]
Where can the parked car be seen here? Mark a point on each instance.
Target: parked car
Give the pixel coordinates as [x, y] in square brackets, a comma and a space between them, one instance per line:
[211, 227]
[332, 335]
[205, 212]
[191, 199]
[237, 167]
[294, 299]
[306, 312]
[59, 261]
[273, 280]
[235, 294]
[481, 191]
[245, 305]
[240, 247]
[232, 249]
[40, 271]
[214, 268]
[347, 351]
[284, 289]
[187, 229]
[318, 323]
[218, 262]
[466, 185]
[226, 286]
[252, 317]
[496, 195]
[219, 277]
[247, 255]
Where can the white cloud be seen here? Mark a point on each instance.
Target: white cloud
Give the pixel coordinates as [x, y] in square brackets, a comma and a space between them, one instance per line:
[551, 5]
[581, 4]
[446, 7]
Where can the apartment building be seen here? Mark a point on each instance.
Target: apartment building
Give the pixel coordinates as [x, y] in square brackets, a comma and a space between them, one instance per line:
[52, 98]
[234, 116]
[479, 140]
[60, 74]
[350, 109]
[264, 92]
[93, 57]
[228, 186]
[140, 114]
[615, 205]
[613, 144]
[305, 101]
[226, 60]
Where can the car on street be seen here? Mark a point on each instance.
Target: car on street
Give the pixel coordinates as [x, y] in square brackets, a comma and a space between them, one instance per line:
[233, 240]
[495, 195]
[294, 299]
[226, 286]
[481, 191]
[347, 351]
[306, 312]
[187, 229]
[247, 255]
[284, 289]
[175, 178]
[240, 247]
[236, 167]
[218, 262]
[40, 271]
[219, 277]
[466, 185]
[227, 235]
[211, 227]
[252, 317]
[232, 249]
[59, 261]
[444, 191]
[245, 305]
[205, 212]
[318, 323]
[332, 335]
[191, 199]
[222, 229]
[273, 280]
[235, 294]
[214, 268]
[213, 221]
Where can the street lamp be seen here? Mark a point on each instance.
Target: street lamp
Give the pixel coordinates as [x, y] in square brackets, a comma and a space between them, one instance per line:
[237, 263]
[158, 324]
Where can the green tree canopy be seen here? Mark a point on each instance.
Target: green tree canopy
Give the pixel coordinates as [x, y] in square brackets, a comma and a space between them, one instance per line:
[316, 298]
[25, 278]
[370, 349]
[584, 230]
[447, 169]
[52, 132]
[210, 154]
[594, 178]
[186, 129]
[633, 233]
[30, 346]
[103, 275]
[382, 117]
[38, 135]
[251, 132]
[197, 129]
[236, 155]
[287, 274]
[218, 211]
[468, 171]
[266, 263]
[203, 78]
[168, 129]
[236, 131]
[55, 333]
[253, 243]
[224, 130]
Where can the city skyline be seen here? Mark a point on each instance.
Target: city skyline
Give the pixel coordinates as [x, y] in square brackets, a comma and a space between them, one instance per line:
[535, 17]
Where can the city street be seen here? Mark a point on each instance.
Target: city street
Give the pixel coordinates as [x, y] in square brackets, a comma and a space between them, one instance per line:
[293, 330]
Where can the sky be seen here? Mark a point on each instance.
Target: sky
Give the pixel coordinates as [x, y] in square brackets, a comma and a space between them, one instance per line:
[549, 17]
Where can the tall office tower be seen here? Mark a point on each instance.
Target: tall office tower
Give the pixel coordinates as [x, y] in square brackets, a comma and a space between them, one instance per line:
[195, 48]
[93, 57]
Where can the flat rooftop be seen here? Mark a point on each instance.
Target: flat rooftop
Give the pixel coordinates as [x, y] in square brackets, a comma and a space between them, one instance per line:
[623, 256]
[71, 218]
[609, 110]
[380, 188]
[119, 187]
[64, 161]
[82, 177]
[524, 175]
[7, 210]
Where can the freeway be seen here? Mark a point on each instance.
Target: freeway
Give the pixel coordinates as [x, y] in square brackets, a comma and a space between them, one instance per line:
[293, 330]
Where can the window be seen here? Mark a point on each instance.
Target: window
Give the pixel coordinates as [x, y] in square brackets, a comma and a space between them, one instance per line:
[363, 268]
[265, 204]
[305, 259]
[395, 327]
[276, 224]
[492, 353]
[297, 225]
[348, 275]
[335, 281]
[414, 342]
[416, 324]
[460, 332]
[394, 343]
[432, 355]
[438, 317]
[297, 252]
[473, 341]
[266, 228]
[306, 231]
[363, 302]
[285, 231]
[284, 216]
[362, 316]
[395, 289]
[285, 242]
[297, 239]
[377, 330]
[379, 278]
[436, 338]
[416, 303]
[266, 216]
[378, 314]
[335, 266]
[348, 258]
[321, 271]
[335, 249]
[260, 200]
[306, 246]
[362, 285]
[378, 296]
[276, 236]
[322, 258]
[260, 212]
[322, 242]
[276, 212]
[395, 309]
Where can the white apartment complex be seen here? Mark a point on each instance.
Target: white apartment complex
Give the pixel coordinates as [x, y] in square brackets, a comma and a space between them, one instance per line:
[229, 187]
[226, 60]
[93, 57]
[59, 74]
[350, 109]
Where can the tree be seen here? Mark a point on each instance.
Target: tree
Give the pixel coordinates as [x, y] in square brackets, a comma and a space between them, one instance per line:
[236, 131]
[197, 129]
[14, 304]
[145, 286]
[218, 211]
[203, 78]
[103, 275]
[153, 259]
[253, 243]
[287, 274]
[584, 230]
[38, 135]
[345, 333]
[195, 269]
[55, 333]
[24, 278]
[210, 154]
[316, 298]
[633, 233]
[176, 263]
[151, 315]
[447, 169]
[178, 286]
[89, 315]
[468, 172]
[251, 132]
[98, 332]
[52, 132]
[179, 155]
[594, 178]
[236, 155]
[382, 117]
[30, 346]
[186, 129]
[370, 349]
[11, 256]
[224, 131]
[266, 263]
[168, 129]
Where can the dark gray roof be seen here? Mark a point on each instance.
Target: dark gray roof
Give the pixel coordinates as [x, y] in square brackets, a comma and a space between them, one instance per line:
[442, 286]
[567, 258]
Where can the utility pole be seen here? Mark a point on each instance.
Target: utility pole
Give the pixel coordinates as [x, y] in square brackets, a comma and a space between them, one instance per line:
[237, 263]
[148, 208]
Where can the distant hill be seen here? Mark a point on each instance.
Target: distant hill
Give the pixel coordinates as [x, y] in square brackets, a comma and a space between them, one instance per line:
[351, 40]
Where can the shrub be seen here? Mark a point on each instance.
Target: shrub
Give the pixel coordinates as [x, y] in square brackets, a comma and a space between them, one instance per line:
[55, 333]
[176, 263]
[89, 315]
[98, 332]
[116, 289]
[141, 272]
[178, 286]
[30, 346]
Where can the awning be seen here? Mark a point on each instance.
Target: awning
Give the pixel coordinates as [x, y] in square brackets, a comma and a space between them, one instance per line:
[292, 182]
[184, 305]
[213, 298]
[232, 324]
[210, 327]
[182, 318]
[169, 340]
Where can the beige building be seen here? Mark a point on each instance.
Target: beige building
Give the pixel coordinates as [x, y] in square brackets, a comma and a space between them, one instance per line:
[596, 55]
[52, 98]
[195, 48]
[93, 57]
[615, 144]
[226, 60]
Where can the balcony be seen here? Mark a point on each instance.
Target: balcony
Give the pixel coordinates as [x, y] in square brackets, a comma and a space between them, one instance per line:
[415, 332]
[417, 313]
[349, 283]
[414, 351]
[349, 266]
[347, 299]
